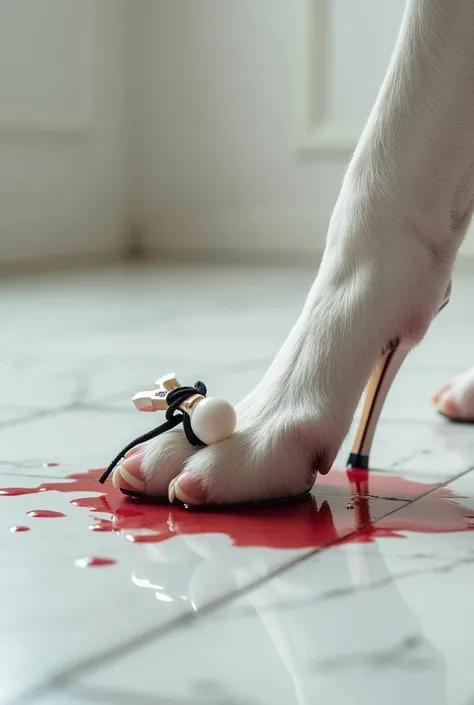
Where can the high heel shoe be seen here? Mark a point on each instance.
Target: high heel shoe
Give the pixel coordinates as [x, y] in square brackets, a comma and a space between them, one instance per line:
[377, 390]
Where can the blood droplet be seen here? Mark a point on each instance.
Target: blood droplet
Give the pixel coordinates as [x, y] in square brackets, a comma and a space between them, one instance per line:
[17, 529]
[44, 514]
[17, 491]
[102, 525]
[93, 562]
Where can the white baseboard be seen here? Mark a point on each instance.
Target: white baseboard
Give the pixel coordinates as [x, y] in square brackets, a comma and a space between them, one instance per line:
[259, 236]
[279, 232]
[248, 234]
[46, 246]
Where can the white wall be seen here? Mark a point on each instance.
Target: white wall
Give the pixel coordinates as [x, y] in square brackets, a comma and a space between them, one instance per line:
[224, 114]
[230, 91]
[63, 122]
[244, 115]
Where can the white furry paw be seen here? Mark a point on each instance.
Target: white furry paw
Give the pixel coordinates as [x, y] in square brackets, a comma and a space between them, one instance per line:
[150, 467]
[455, 400]
[259, 462]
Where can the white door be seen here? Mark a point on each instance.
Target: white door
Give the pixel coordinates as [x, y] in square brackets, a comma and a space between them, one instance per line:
[63, 70]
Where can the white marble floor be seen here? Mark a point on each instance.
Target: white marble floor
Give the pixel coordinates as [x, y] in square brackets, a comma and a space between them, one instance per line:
[333, 599]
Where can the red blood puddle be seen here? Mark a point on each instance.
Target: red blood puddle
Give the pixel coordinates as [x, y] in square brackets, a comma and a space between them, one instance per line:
[339, 506]
[44, 514]
[16, 491]
[93, 562]
[102, 525]
[93, 504]
[144, 538]
[16, 529]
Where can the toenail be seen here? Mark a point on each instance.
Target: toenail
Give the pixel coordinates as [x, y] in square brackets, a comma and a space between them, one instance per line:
[127, 475]
[187, 489]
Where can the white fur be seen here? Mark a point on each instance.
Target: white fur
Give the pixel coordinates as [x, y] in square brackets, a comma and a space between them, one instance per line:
[403, 210]
[461, 392]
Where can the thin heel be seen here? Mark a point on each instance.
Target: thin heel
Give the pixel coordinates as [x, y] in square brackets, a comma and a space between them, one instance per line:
[377, 390]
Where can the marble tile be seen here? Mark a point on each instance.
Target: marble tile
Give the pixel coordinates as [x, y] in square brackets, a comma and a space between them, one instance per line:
[169, 563]
[74, 343]
[53, 612]
[12, 413]
[76, 378]
[419, 451]
[410, 394]
[379, 620]
[83, 696]
[81, 438]
[71, 441]
[365, 622]
[90, 336]
[76, 698]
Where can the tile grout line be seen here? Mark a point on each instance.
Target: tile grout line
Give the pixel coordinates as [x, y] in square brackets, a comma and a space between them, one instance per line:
[72, 405]
[29, 416]
[114, 697]
[67, 676]
[99, 403]
[38, 478]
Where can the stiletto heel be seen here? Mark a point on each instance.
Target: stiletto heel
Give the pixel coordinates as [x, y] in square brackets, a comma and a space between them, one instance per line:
[377, 390]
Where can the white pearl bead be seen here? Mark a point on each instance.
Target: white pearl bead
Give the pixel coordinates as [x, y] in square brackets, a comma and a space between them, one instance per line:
[213, 420]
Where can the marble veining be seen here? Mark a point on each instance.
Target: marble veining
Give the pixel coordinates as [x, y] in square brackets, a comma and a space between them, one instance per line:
[207, 617]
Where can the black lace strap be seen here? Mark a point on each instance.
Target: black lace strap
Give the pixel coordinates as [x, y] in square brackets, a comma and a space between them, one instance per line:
[174, 417]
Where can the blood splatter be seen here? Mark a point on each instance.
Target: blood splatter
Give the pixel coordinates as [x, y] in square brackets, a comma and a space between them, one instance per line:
[16, 529]
[17, 491]
[338, 510]
[50, 465]
[102, 525]
[93, 504]
[93, 562]
[44, 514]
[82, 482]
[144, 538]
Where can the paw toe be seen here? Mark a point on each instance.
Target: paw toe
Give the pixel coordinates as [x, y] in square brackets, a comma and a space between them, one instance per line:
[160, 461]
[187, 488]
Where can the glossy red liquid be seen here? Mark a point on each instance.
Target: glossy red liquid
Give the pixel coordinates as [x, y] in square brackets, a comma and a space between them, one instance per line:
[44, 514]
[93, 562]
[339, 510]
[102, 525]
[16, 491]
[17, 529]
